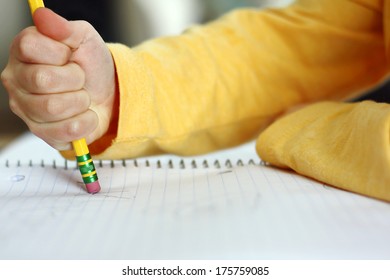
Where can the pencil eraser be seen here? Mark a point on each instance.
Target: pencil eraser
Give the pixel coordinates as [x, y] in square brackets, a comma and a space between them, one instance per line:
[93, 187]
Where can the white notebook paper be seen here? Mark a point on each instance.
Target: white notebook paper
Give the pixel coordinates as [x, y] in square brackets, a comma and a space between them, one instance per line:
[225, 205]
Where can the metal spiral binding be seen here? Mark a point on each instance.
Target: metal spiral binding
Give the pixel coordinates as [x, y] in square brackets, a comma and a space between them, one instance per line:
[228, 164]
[194, 164]
[41, 164]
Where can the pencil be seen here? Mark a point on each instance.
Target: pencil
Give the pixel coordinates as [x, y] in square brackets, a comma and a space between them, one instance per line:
[83, 157]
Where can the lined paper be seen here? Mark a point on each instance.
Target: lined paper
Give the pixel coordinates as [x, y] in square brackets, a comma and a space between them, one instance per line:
[213, 207]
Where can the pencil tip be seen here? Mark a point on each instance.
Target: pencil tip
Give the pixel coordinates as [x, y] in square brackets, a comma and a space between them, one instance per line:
[93, 187]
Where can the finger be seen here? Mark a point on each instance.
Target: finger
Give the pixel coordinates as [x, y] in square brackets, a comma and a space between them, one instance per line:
[45, 79]
[30, 46]
[60, 134]
[54, 107]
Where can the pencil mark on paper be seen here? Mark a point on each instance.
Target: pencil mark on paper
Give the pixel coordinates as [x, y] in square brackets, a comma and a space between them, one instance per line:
[225, 171]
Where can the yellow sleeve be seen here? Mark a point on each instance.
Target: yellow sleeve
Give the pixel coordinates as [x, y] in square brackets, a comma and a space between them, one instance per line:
[342, 144]
[221, 84]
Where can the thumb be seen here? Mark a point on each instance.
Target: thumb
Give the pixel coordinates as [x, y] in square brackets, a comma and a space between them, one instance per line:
[58, 28]
[51, 24]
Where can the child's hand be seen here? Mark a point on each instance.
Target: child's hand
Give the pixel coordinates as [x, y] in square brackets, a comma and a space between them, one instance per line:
[61, 80]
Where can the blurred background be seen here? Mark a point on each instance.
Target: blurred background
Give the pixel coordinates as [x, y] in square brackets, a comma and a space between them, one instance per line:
[126, 21]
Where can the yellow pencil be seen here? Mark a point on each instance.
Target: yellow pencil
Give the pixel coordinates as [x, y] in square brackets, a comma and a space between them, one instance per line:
[84, 160]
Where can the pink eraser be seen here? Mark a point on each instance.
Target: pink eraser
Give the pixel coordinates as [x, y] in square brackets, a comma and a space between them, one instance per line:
[93, 187]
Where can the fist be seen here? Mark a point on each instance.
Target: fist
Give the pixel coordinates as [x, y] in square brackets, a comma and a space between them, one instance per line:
[60, 78]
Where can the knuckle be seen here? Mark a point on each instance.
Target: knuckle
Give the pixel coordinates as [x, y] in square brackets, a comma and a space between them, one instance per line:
[5, 78]
[14, 106]
[26, 46]
[42, 79]
[73, 130]
[54, 107]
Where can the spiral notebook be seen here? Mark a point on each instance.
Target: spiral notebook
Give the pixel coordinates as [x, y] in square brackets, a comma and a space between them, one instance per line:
[226, 205]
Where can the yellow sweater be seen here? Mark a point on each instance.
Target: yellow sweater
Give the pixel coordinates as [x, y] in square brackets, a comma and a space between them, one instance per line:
[220, 84]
